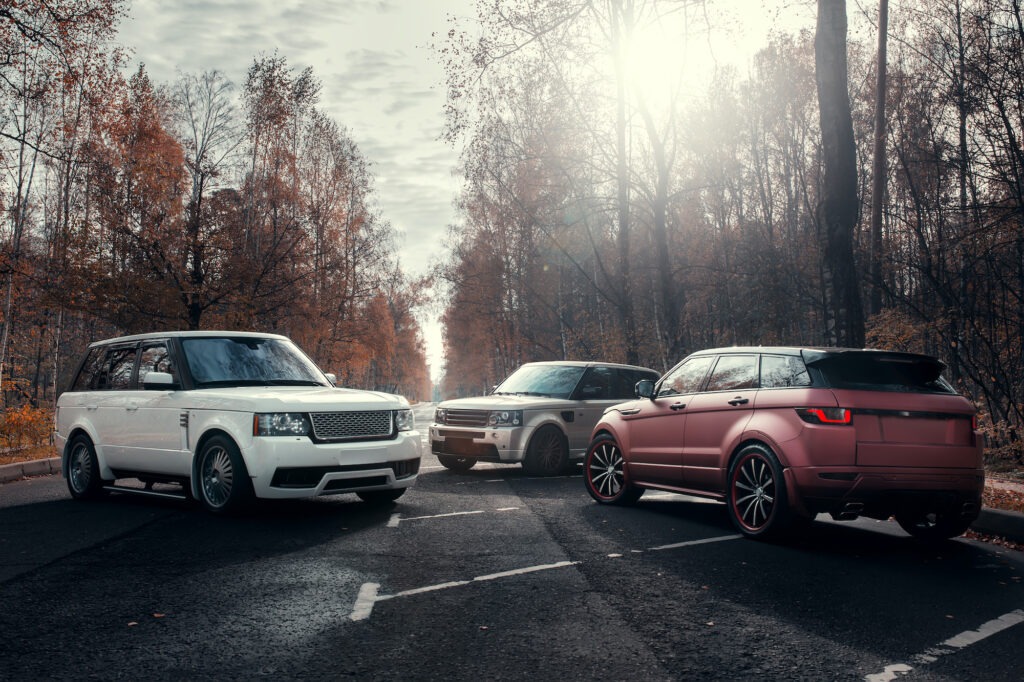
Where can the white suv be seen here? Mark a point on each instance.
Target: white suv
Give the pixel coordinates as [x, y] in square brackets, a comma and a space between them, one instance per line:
[228, 416]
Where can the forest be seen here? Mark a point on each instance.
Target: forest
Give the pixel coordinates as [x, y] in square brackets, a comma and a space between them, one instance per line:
[631, 216]
[132, 206]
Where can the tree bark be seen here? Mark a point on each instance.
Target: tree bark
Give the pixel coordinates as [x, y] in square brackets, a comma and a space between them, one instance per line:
[838, 208]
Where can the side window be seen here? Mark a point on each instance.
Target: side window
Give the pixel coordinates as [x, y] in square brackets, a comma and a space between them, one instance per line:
[154, 358]
[686, 378]
[624, 383]
[121, 363]
[734, 373]
[91, 369]
[779, 371]
[595, 384]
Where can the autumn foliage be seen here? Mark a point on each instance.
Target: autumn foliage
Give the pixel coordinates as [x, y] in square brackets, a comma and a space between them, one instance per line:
[606, 216]
[133, 206]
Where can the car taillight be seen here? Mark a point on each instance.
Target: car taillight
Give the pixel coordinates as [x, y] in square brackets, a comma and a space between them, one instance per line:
[974, 422]
[825, 415]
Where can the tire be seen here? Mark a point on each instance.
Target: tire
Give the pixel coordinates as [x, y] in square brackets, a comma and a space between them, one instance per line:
[83, 477]
[756, 498]
[547, 453]
[381, 496]
[605, 473]
[224, 485]
[933, 526]
[456, 463]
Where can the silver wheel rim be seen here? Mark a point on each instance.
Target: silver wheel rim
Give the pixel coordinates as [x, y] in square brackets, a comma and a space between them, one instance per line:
[753, 492]
[80, 468]
[218, 476]
[605, 470]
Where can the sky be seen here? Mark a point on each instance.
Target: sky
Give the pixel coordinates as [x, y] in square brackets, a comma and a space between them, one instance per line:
[380, 81]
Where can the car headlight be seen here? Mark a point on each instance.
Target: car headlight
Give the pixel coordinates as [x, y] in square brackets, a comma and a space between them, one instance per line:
[281, 424]
[404, 420]
[440, 414]
[505, 418]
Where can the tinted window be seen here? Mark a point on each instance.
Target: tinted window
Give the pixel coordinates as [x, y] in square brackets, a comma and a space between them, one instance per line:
[121, 362]
[779, 371]
[733, 373]
[687, 377]
[92, 368]
[154, 358]
[865, 371]
[624, 386]
[596, 384]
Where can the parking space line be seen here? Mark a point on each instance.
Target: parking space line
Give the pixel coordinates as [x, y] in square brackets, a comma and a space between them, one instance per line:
[397, 518]
[950, 646]
[690, 543]
[368, 592]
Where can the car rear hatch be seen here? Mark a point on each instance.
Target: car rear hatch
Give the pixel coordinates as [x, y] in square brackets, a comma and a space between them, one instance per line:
[905, 415]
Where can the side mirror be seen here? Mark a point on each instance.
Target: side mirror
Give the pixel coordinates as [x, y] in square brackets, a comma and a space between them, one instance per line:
[333, 378]
[159, 381]
[644, 388]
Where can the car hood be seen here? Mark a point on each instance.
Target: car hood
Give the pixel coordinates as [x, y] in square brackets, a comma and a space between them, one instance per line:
[505, 402]
[293, 399]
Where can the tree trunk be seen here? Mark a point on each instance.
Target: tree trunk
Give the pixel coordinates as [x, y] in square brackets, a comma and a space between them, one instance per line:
[878, 173]
[838, 208]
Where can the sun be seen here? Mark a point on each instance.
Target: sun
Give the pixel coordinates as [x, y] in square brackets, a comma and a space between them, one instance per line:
[670, 57]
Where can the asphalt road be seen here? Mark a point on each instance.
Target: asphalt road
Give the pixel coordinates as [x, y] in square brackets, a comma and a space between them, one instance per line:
[486, 575]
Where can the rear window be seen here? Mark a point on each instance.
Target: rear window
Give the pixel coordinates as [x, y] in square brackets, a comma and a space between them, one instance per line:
[894, 373]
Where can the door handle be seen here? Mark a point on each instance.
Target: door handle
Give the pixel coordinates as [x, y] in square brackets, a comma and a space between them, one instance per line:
[131, 407]
[677, 407]
[738, 401]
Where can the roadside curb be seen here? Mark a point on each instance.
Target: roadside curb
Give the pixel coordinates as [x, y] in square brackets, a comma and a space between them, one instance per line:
[1004, 524]
[37, 467]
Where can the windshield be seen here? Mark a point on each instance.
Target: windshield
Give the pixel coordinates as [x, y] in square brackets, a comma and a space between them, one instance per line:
[242, 361]
[552, 381]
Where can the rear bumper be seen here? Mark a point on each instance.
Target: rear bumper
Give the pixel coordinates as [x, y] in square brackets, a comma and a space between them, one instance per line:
[881, 492]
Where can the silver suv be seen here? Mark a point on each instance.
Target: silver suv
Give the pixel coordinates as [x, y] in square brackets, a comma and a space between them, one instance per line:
[541, 415]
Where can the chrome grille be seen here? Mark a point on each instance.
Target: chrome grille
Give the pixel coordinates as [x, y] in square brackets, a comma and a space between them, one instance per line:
[351, 425]
[466, 417]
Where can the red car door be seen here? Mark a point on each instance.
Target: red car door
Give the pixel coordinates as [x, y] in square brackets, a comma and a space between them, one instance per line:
[715, 418]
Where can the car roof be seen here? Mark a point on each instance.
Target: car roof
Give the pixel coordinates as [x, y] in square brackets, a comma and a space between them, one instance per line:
[816, 352]
[588, 363]
[184, 335]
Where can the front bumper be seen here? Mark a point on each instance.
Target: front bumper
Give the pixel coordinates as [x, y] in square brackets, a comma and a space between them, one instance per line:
[289, 468]
[506, 444]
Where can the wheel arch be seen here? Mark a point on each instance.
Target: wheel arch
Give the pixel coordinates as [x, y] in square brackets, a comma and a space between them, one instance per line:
[794, 500]
[543, 425]
[75, 432]
[200, 444]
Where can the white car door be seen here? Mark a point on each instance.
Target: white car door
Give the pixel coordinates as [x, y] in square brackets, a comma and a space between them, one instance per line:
[155, 440]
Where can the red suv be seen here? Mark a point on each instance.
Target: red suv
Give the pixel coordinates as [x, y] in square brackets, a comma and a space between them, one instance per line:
[783, 434]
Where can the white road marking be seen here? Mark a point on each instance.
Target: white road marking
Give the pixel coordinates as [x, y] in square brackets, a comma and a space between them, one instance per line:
[368, 592]
[951, 646]
[690, 543]
[364, 602]
[397, 518]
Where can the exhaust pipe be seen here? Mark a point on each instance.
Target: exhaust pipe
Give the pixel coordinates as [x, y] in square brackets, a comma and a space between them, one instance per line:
[850, 511]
